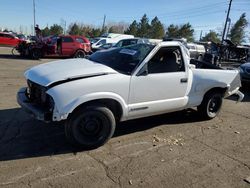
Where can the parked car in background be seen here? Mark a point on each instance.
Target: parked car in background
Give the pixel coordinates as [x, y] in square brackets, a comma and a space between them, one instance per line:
[73, 46]
[124, 42]
[245, 73]
[196, 51]
[64, 46]
[8, 39]
[111, 38]
[127, 42]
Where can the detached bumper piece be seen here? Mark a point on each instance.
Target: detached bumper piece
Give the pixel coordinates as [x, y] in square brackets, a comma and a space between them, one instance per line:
[38, 112]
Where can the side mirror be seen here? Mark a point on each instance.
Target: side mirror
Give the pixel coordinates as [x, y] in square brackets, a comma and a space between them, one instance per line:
[143, 71]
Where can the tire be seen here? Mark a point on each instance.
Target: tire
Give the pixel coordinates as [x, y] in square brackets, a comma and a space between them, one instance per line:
[90, 127]
[14, 51]
[79, 54]
[36, 54]
[211, 105]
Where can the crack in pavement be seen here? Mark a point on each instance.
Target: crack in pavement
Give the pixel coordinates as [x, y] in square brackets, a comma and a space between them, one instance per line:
[105, 167]
[122, 172]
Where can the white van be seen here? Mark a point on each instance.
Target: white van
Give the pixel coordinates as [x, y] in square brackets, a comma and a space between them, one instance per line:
[197, 51]
[110, 38]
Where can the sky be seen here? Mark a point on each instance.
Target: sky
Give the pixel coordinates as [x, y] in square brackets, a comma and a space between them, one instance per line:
[203, 15]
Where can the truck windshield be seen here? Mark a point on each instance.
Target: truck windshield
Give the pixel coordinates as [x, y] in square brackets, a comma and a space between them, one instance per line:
[123, 60]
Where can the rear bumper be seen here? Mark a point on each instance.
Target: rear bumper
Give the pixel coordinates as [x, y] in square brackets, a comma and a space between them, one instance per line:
[238, 93]
[36, 111]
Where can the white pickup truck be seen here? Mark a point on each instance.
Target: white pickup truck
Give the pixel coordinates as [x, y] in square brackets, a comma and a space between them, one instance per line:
[121, 84]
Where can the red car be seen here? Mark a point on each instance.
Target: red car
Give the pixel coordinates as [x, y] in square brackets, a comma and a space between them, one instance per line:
[8, 39]
[71, 46]
[66, 46]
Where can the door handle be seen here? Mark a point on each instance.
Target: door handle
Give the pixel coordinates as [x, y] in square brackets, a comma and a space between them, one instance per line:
[184, 80]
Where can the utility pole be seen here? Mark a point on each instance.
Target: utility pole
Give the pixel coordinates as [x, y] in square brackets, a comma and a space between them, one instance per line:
[229, 20]
[34, 16]
[200, 35]
[104, 20]
[225, 27]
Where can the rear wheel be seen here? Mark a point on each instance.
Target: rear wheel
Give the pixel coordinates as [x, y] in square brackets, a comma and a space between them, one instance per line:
[90, 127]
[211, 105]
[79, 54]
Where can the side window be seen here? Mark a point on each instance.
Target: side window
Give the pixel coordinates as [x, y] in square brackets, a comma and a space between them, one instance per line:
[67, 39]
[80, 40]
[119, 44]
[101, 42]
[167, 59]
[126, 42]
[8, 36]
[1, 35]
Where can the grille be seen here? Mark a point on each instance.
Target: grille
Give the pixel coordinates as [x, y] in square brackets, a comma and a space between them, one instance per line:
[37, 95]
[35, 92]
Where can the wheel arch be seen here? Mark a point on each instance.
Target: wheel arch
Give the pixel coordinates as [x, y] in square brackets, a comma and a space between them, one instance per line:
[79, 49]
[221, 90]
[111, 104]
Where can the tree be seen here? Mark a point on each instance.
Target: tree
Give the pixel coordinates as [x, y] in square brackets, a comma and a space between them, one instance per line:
[172, 31]
[86, 30]
[237, 33]
[132, 29]
[187, 32]
[56, 29]
[211, 36]
[156, 29]
[74, 29]
[181, 31]
[45, 32]
[144, 27]
[96, 32]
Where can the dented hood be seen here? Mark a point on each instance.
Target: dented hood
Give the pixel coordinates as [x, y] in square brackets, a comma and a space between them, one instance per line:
[63, 70]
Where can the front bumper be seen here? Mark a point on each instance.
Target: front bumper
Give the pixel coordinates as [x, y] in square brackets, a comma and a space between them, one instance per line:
[38, 112]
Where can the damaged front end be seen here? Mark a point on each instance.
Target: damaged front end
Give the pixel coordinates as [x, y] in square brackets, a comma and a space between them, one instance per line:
[36, 101]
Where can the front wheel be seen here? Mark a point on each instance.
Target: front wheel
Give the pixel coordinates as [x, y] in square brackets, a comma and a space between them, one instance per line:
[14, 51]
[36, 53]
[90, 127]
[211, 105]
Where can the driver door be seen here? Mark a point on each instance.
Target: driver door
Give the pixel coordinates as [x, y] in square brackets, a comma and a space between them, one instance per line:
[162, 85]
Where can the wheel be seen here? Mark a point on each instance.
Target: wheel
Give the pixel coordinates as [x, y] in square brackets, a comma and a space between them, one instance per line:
[79, 54]
[90, 127]
[211, 105]
[36, 53]
[14, 51]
